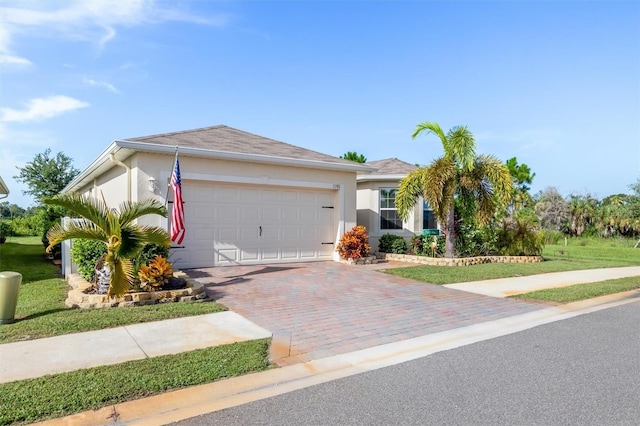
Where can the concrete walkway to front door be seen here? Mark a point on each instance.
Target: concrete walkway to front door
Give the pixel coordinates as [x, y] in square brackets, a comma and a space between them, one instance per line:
[320, 309]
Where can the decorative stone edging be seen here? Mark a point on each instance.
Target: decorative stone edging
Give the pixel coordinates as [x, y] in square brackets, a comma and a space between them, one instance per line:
[361, 261]
[78, 298]
[461, 261]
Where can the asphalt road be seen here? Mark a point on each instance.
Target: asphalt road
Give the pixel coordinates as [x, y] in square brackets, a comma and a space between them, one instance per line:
[580, 371]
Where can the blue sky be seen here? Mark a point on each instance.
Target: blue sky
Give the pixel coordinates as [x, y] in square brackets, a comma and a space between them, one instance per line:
[555, 83]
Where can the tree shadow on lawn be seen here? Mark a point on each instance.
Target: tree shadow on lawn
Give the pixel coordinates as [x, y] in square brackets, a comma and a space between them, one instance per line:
[39, 314]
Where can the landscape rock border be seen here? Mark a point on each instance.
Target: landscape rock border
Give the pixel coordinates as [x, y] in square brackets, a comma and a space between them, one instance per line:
[79, 298]
[458, 261]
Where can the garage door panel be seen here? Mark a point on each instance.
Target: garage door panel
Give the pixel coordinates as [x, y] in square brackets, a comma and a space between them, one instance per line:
[248, 234]
[290, 253]
[248, 214]
[270, 214]
[226, 214]
[270, 254]
[249, 254]
[289, 235]
[227, 234]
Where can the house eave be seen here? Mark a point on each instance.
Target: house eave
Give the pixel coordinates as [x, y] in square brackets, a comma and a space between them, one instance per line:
[380, 178]
[123, 149]
[4, 190]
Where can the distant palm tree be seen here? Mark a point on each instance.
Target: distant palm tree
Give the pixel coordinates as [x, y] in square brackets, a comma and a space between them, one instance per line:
[123, 238]
[480, 180]
[354, 156]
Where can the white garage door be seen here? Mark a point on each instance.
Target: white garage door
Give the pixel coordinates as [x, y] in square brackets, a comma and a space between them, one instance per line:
[231, 224]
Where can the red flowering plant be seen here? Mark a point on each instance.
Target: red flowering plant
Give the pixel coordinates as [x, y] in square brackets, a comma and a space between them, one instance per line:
[354, 244]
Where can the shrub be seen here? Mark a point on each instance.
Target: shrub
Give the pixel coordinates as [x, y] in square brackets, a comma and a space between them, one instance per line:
[156, 274]
[390, 243]
[552, 237]
[148, 253]
[421, 245]
[85, 253]
[399, 246]
[6, 230]
[354, 244]
[519, 236]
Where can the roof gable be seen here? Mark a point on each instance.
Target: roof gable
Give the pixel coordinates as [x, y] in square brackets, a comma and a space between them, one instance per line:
[390, 166]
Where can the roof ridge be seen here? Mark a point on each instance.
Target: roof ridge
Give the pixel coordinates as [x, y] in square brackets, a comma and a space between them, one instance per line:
[179, 132]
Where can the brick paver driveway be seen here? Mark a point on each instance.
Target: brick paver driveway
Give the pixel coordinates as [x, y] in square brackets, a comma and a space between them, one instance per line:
[320, 309]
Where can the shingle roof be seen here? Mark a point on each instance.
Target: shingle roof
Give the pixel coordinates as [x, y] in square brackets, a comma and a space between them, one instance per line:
[390, 166]
[228, 139]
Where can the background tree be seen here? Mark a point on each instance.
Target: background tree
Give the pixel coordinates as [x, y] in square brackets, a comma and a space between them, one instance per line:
[582, 209]
[123, 238]
[522, 178]
[552, 210]
[46, 176]
[354, 156]
[482, 184]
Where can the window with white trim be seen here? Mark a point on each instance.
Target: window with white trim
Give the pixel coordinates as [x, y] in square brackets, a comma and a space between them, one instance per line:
[428, 218]
[389, 218]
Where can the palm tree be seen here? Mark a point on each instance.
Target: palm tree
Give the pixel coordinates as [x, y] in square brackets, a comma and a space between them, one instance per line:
[354, 156]
[480, 181]
[123, 238]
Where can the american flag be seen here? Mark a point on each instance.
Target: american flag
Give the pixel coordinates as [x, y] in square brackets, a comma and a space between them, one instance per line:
[177, 213]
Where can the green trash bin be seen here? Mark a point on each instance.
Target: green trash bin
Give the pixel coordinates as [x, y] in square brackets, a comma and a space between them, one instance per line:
[9, 286]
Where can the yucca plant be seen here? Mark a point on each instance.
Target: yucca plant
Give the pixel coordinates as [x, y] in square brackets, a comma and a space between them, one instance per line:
[117, 229]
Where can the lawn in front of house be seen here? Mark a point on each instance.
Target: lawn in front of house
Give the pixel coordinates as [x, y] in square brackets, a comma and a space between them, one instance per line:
[41, 311]
[557, 258]
[58, 395]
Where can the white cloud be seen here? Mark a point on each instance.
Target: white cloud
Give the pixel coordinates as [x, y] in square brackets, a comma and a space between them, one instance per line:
[41, 108]
[94, 20]
[103, 84]
[14, 60]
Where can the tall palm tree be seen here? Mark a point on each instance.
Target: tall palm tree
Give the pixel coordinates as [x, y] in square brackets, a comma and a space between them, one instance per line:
[117, 229]
[481, 181]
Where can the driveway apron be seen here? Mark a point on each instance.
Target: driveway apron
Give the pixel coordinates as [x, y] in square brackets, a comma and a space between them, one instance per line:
[320, 309]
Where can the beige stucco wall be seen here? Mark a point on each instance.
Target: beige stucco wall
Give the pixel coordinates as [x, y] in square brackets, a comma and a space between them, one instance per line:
[113, 184]
[368, 203]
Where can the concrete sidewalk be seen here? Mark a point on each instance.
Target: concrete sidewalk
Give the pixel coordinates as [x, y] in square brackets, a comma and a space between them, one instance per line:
[505, 287]
[36, 358]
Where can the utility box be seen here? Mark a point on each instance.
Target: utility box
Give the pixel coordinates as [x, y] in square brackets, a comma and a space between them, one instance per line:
[9, 287]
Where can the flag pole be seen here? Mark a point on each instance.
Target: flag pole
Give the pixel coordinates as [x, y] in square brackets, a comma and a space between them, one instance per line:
[173, 166]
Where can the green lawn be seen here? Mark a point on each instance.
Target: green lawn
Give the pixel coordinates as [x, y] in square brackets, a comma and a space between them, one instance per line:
[594, 254]
[41, 311]
[27, 401]
[582, 291]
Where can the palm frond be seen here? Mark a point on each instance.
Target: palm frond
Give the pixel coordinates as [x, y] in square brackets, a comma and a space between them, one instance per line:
[462, 147]
[82, 229]
[130, 211]
[121, 275]
[498, 175]
[429, 128]
[87, 207]
[156, 235]
[409, 190]
[440, 186]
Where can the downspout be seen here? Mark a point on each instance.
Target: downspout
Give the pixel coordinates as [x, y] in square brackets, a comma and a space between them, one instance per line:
[128, 169]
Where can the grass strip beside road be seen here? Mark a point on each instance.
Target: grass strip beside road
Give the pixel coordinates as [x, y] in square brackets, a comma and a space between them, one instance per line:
[41, 311]
[578, 292]
[58, 395]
